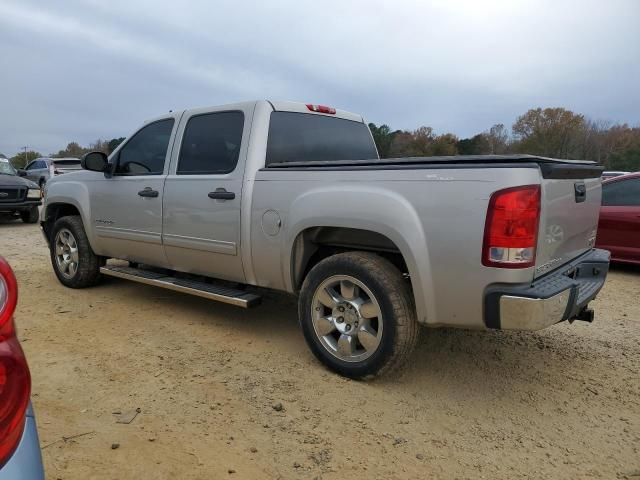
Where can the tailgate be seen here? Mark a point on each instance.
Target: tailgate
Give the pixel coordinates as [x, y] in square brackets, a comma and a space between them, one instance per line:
[571, 196]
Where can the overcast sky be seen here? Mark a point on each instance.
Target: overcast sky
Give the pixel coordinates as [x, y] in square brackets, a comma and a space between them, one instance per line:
[80, 70]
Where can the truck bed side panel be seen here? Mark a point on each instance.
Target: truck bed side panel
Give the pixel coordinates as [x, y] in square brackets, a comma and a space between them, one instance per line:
[435, 217]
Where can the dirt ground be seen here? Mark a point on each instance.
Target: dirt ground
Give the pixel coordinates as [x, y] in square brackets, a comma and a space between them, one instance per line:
[561, 403]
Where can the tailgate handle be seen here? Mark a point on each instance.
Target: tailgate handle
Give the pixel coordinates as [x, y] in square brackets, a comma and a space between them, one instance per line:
[581, 192]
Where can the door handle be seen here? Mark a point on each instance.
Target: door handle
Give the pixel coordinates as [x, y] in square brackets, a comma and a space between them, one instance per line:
[148, 192]
[221, 194]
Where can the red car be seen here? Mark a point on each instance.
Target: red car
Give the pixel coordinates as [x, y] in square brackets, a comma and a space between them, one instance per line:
[619, 226]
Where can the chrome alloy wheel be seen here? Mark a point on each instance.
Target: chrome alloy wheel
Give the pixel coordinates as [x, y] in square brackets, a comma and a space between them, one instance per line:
[66, 253]
[347, 318]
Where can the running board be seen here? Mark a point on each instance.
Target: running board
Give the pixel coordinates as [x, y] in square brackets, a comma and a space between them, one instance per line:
[211, 291]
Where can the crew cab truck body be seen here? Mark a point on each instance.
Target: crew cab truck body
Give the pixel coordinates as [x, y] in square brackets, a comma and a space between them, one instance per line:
[293, 197]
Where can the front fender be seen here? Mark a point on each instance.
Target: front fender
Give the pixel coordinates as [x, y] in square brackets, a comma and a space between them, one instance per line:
[367, 208]
[73, 193]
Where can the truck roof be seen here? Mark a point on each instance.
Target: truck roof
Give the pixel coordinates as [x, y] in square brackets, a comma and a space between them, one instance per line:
[280, 106]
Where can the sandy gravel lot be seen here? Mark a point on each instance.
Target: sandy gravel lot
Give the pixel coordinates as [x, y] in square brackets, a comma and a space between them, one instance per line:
[561, 403]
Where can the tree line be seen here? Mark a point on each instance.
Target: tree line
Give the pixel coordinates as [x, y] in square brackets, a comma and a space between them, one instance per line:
[548, 132]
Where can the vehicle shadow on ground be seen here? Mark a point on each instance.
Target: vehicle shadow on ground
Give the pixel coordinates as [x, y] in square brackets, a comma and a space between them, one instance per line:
[14, 222]
[449, 361]
[625, 268]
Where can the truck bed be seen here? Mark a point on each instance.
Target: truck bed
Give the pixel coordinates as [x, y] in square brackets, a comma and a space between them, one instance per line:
[550, 167]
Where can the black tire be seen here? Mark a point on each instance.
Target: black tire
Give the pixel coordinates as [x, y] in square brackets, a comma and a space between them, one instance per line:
[87, 272]
[31, 216]
[392, 293]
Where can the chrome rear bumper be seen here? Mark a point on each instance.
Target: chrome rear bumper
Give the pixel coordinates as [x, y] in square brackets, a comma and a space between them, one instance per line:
[560, 295]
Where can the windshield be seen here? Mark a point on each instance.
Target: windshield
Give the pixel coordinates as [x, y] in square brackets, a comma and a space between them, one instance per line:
[6, 168]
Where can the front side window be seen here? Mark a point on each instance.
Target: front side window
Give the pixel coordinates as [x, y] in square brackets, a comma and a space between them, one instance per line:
[621, 193]
[304, 137]
[211, 144]
[146, 151]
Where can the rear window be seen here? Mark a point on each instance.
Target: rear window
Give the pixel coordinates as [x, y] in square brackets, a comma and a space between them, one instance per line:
[621, 193]
[303, 137]
[67, 162]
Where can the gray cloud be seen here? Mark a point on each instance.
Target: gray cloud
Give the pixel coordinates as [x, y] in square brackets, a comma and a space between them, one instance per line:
[79, 70]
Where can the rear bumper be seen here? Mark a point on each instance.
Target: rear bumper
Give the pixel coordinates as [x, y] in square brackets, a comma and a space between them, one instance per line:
[560, 295]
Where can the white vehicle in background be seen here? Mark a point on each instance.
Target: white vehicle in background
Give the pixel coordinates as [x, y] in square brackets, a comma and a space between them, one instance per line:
[42, 169]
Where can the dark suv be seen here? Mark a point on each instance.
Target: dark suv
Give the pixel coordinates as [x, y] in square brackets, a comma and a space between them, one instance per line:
[18, 196]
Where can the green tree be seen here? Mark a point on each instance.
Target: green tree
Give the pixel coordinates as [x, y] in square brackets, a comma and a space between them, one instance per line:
[498, 139]
[550, 132]
[444, 145]
[21, 159]
[628, 160]
[73, 150]
[476, 145]
[114, 142]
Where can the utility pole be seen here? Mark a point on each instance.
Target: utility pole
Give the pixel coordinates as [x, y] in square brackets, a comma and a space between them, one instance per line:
[26, 160]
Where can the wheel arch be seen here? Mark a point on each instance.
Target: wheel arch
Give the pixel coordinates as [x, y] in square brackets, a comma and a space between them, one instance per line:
[54, 211]
[378, 221]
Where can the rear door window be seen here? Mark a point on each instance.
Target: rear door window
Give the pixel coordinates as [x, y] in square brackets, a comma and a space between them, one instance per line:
[146, 151]
[303, 137]
[211, 144]
[621, 193]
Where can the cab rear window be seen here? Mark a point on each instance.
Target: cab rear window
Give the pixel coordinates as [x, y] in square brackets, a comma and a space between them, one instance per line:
[303, 137]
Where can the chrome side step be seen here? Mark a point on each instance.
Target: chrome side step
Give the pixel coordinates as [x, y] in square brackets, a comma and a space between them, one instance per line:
[211, 291]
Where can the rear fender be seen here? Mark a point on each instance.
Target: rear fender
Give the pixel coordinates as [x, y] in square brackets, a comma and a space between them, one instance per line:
[365, 208]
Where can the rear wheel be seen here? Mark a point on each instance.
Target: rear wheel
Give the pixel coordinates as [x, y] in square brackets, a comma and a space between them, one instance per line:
[73, 260]
[30, 216]
[357, 314]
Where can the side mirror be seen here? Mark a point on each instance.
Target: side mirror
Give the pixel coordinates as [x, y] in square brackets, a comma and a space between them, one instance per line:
[22, 173]
[95, 161]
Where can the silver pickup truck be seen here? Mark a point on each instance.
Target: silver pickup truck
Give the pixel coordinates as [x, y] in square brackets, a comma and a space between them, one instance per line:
[224, 202]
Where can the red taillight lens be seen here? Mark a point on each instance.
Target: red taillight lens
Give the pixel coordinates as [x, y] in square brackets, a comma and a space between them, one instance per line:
[15, 388]
[15, 382]
[321, 109]
[8, 299]
[511, 229]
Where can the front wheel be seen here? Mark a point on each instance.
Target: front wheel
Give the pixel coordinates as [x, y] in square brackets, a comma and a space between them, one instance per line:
[73, 260]
[30, 216]
[357, 314]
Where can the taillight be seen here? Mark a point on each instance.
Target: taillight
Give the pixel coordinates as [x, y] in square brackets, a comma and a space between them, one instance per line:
[15, 382]
[511, 228]
[321, 109]
[8, 299]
